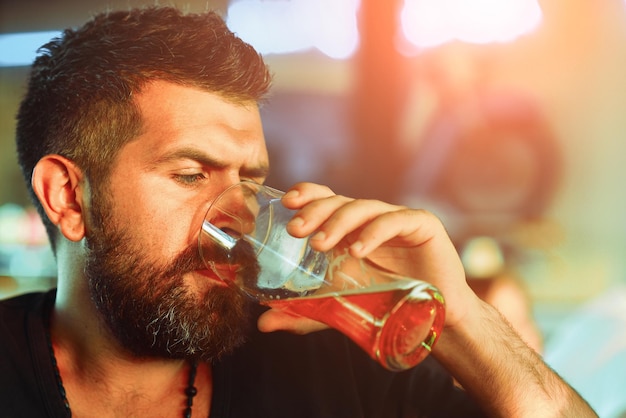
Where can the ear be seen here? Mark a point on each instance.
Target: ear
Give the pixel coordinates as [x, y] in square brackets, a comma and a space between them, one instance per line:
[60, 187]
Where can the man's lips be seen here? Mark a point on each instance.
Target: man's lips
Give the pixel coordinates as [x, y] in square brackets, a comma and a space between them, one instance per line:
[220, 273]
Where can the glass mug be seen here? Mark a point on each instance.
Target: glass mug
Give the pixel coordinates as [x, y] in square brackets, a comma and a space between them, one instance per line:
[395, 319]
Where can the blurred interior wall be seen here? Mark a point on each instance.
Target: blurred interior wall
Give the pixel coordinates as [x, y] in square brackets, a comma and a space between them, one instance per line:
[573, 65]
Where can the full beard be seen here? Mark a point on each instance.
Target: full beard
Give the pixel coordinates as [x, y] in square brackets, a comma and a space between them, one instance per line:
[149, 309]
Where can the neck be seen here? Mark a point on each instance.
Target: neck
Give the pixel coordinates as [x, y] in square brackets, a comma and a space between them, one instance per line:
[98, 376]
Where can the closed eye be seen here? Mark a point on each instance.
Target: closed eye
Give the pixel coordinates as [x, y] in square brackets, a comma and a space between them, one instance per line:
[189, 179]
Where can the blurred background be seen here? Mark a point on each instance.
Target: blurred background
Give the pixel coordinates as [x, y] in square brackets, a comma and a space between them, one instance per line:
[504, 117]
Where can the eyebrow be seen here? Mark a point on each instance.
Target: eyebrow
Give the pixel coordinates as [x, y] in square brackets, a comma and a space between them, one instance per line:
[190, 153]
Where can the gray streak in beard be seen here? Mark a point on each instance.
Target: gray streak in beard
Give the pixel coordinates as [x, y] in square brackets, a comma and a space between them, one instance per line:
[147, 307]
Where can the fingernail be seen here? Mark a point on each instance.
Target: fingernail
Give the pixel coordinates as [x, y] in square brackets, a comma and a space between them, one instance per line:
[291, 194]
[356, 246]
[296, 222]
[319, 236]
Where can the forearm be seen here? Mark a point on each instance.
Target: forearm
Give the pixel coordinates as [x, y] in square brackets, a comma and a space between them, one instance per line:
[502, 373]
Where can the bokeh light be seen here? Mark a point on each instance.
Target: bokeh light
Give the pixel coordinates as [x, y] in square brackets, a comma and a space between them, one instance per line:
[427, 23]
[280, 27]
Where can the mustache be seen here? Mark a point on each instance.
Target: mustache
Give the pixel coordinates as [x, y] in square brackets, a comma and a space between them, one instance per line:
[188, 260]
[242, 255]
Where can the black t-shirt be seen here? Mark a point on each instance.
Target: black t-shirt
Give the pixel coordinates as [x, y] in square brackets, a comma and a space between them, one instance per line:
[275, 375]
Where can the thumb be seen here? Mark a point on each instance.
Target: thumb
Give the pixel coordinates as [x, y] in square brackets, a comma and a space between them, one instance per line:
[276, 320]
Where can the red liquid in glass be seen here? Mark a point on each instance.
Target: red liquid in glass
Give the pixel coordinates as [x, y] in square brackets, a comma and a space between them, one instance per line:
[397, 326]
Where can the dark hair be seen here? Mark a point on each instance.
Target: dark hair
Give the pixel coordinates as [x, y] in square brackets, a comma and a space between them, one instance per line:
[79, 102]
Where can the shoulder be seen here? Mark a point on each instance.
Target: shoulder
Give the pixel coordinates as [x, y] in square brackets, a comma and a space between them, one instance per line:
[25, 303]
[25, 366]
[22, 314]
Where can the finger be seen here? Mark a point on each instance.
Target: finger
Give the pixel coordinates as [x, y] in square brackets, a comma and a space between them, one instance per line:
[402, 227]
[302, 193]
[315, 213]
[347, 218]
[276, 320]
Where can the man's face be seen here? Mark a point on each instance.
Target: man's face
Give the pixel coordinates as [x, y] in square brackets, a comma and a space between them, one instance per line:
[143, 266]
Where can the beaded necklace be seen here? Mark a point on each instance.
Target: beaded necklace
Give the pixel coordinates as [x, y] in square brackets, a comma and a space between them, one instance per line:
[190, 391]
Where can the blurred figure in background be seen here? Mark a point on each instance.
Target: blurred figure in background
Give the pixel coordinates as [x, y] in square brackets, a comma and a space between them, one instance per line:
[488, 165]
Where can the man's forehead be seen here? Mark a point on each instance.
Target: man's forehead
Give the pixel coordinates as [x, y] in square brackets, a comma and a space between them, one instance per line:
[173, 109]
[182, 117]
[162, 95]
